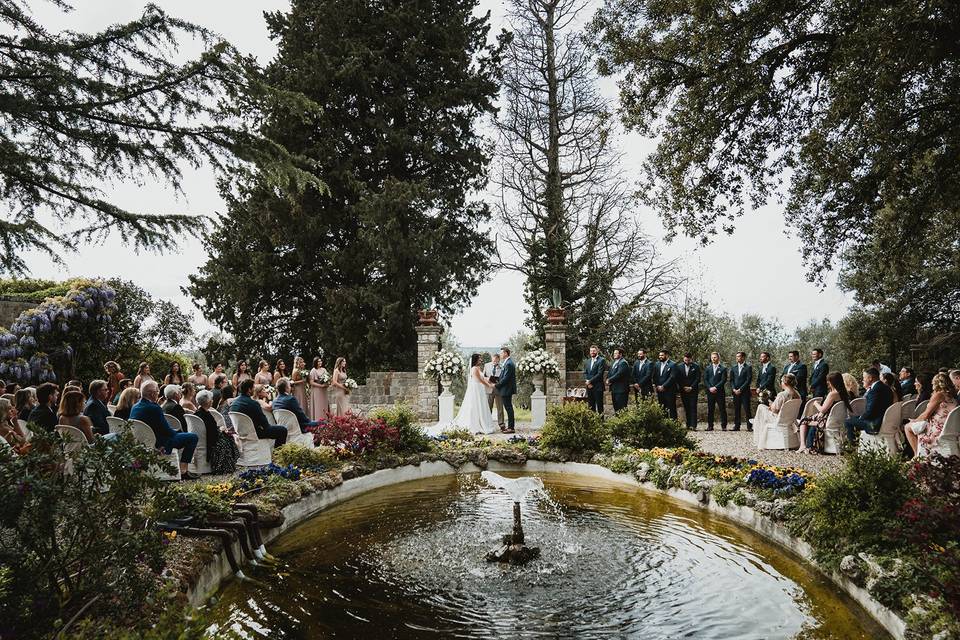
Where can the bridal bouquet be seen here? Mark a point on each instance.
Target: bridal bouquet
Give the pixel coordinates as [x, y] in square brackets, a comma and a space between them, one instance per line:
[538, 362]
[270, 392]
[444, 364]
[350, 384]
[323, 378]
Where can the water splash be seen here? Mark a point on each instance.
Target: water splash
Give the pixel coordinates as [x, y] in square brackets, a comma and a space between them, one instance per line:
[518, 488]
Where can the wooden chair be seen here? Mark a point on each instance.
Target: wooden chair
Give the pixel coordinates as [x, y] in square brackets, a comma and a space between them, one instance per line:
[834, 433]
[199, 464]
[289, 420]
[783, 434]
[888, 438]
[255, 452]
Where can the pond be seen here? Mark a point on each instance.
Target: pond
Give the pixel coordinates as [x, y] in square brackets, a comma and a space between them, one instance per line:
[408, 561]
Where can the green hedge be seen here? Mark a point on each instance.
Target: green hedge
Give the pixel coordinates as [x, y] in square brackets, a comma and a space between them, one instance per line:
[33, 290]
[647, 426]
[574, 427]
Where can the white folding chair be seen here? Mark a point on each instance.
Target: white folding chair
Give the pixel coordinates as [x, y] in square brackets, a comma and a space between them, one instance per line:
[26, 430]
[888, 438]
[254, 452]
[221, 421]
[783, 434]
[907, 408]
[921, 407]
[174, 422]
[112, 408]
[289, 420]
[834, 433]
[199, 464]
[948, 444]
[143, 434]
[73, 438]
[857, 406]
[116, 424]
[809, 409]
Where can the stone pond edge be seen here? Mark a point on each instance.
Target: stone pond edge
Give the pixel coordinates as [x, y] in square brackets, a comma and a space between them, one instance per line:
[218, 571]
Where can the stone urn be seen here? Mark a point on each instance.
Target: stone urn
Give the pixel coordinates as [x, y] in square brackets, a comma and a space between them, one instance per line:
[445, 382]
[427, 318]
[555, 315]
[539, 381]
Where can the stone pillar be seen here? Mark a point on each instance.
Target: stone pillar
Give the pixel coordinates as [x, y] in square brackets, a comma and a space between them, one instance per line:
[428, 343]
[555, 343]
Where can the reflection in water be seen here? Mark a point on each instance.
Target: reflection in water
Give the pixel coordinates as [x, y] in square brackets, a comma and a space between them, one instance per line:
[408, 562]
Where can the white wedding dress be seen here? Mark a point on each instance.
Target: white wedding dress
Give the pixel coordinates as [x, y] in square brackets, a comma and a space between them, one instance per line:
[475, 414]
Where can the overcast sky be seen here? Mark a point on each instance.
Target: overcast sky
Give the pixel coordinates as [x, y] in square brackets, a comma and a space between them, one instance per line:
[756, 270]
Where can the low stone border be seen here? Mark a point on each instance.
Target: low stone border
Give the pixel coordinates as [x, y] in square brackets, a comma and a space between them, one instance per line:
[218, 570]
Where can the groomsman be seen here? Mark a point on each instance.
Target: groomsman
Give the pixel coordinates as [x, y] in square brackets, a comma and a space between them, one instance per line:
[642, 376]
[618, 380]
[798, 369]
[766, 376]
[818, 374]
[665, 377]
[715, 380]
[740, 378]
[690, 389]
[593, 374]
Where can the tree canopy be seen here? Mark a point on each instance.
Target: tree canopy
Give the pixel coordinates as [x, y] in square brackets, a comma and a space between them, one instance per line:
[79, 111]
[401, 86]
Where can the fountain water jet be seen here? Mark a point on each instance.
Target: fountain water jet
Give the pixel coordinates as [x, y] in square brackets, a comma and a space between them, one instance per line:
[513, 551]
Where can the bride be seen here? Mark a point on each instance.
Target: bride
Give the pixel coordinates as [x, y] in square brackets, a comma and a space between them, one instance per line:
[474, 414]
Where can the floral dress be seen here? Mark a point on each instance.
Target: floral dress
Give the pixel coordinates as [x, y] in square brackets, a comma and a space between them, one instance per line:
[935, 424]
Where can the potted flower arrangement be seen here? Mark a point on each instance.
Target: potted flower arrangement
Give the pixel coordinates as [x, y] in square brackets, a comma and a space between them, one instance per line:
[536, 365]
[443, 366]
[555, 313]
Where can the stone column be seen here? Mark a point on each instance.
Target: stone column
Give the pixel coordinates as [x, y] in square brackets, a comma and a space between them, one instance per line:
[555, 343]
[428, 343]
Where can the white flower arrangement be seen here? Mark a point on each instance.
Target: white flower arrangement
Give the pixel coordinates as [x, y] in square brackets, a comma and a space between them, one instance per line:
[444, 364]
[538, 362]
[350, 384]
[323, 378]
[270, 392]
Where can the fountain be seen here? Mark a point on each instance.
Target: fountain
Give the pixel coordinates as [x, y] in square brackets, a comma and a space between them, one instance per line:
[513, 550]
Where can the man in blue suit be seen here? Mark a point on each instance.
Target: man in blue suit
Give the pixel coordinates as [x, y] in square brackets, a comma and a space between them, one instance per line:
[149, 412]
[741, 376]
[689, 374]
[290, 403]
[619, 381]
[642, 376]
[715, 380]
[665, 378]
[593, 375]
[907, 382]
[818, 374]
[879, 397]
[507, 386]
[799, 370]
[766, 376]
[96, 407]
[245, 404]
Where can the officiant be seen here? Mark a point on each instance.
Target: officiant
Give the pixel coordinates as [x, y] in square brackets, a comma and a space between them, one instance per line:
[492, 371]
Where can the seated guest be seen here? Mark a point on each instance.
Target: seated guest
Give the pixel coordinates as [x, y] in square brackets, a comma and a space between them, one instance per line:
[219, 382]
[96, 407]
[9, 427]
[189, 397]
[71, 413]
[123, 385]
[25, 400]
[150, 413]
[44, 414]
[76, 384]
[286, 401]
[923, 387]
[128, 398]
[882, 368]
[955, 378]
[767, 416]
[853, 387]
[172, 394]
[926, 429]
[906, 382]
[222, 451]
[812, 427]
[246, 405]
[879, 398]
[11, 388]
[891, 381]
[223, 403]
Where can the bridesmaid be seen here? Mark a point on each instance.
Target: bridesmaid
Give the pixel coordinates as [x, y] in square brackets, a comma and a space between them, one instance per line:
[280, 371]
[341, 395]
[243, 373]
[319, 403]
[298, 383]
[264, 376]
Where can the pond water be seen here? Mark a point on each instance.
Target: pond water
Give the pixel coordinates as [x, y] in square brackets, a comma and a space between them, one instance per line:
[408, 562]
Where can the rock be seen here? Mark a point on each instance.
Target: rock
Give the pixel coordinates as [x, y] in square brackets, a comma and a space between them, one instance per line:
[478, 457]
[642, 472]
[851, 568]
[454, 458]
[703, 495]
[763, 507]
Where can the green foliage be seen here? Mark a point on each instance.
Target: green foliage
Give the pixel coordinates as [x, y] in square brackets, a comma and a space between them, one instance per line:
[71, 537]
[30, 290]
[574, 427]
[291, 271]
[402, 418]
[176, 501]
[304, 457]
[173, 620]
[854, 509]
[648, 425]
[723, 492]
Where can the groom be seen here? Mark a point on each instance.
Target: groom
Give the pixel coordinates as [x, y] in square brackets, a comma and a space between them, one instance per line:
[507, 386]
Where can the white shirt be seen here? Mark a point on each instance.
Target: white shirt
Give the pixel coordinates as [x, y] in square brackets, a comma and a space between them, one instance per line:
[490, 370]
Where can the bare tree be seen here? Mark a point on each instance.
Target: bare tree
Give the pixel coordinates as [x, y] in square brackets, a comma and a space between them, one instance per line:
[565, 208]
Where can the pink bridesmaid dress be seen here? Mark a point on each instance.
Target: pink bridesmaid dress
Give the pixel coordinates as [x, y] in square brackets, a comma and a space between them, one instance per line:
[319, 403]
[298, 388]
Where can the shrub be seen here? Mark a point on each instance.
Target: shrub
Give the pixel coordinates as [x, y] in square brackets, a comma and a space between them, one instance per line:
[574, 427]
[854, 509]
[304, 457]
[412, 437]
[174, 502]
[356, 435]
[647, 426]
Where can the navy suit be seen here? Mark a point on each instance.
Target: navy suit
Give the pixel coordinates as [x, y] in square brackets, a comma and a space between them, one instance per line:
[800, 371]
[878, 400]
[908, 387]
[767, 379]
[716, 376]
[740, 380]
[665, 375]
[97, 412]
[619, 380]
[291, 404]
[818, 378]
[43, 416]
[265, 431]
[643, 377]
[507, 386]
[151, 414]
[593, 373]
[689, 377]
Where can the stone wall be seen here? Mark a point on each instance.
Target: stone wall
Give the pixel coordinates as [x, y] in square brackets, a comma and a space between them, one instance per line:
[10, 309]
[385, 389]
